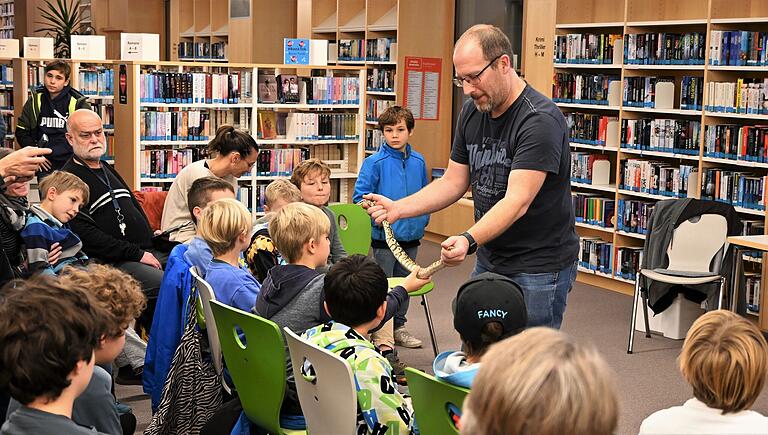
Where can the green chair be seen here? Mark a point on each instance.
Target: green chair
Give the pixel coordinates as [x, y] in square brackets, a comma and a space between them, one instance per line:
[258, 368]
[354, 226]
[430, 398]
[393, 282]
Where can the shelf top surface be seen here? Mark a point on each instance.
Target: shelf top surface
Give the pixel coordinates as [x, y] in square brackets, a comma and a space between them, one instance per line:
[756, 242]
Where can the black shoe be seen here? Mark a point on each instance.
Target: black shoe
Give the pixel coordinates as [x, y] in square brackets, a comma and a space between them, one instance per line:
[129, 376]
[398, 367]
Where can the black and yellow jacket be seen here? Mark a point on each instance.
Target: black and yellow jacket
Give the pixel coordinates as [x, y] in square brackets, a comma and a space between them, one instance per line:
[41, 115]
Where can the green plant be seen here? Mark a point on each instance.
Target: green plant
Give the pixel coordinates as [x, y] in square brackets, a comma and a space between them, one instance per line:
[61, 21]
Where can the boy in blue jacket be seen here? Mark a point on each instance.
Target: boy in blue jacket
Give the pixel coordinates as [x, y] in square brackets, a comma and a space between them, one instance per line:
[395, 171]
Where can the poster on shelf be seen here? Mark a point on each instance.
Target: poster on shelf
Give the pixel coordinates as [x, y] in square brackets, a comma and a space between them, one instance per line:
[296, 51]
[422, 87]
[9, 48]
[140, 46]
[88, 47]
[38, 48]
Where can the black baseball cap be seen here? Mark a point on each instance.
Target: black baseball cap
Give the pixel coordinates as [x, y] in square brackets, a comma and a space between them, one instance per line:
[488, 297]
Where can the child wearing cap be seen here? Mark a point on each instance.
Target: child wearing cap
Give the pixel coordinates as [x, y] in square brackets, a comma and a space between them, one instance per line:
[488, 308]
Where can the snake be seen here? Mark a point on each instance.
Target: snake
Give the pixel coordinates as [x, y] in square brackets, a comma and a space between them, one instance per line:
[400, 255]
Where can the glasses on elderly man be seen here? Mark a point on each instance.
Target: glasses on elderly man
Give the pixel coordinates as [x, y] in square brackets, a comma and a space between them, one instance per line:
[473, 79]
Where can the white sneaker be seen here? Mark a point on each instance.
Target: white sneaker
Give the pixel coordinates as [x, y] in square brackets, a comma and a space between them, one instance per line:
[405, 339]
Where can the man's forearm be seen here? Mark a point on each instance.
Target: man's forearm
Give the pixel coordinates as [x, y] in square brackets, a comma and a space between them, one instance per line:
[437, 195]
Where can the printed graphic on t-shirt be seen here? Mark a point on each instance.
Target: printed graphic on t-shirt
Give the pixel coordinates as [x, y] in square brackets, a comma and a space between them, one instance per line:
[51, 122]
[489, 164]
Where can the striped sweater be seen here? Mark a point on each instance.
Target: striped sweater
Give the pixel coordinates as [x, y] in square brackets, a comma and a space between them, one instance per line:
[43, 230]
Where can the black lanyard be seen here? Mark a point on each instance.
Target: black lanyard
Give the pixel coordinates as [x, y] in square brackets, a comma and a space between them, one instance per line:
[120, 218]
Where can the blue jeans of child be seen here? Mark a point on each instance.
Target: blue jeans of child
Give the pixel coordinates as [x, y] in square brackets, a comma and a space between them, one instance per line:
[545, 293]
[393, 268]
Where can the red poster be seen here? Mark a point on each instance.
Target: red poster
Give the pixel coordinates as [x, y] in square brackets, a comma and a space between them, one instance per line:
[422, 87]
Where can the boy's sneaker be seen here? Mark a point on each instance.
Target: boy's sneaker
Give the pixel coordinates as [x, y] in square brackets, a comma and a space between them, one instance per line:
[405, 339]
[398, 367]
[129, 376]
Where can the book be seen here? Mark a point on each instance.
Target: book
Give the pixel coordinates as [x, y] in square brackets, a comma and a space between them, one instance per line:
[296, 51]
[267, 125]
[267, 88]
[288, 88]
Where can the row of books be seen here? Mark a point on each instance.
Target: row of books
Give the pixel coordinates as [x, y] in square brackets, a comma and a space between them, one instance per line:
[374, 108]
[203, 50]
[380, 49]
[7, 9]
[10, 124]
[738, 47]
[195, 87]
[307, 126]
[244, 194]
[381, 79]
[582, 164]
[657, 178]
[167, 163]
[627, 262]
[589, 48]
[752, 227]
[590, 208]
[680, 136]
[279, 161]
[352, 49]
[595, 254]
[175, 125]
[109, 154]
[289, 88]
[6, 100]
[96, 81]
[240, 118]
[35, 74]
[583, 88]
[752, 283]
[106, 112]
[748, 96]
[633, 216]
[373, 139]
[737, 142]
[6, 74]
[663, 48]
[691, 93]
[589, 128]
[740, 189]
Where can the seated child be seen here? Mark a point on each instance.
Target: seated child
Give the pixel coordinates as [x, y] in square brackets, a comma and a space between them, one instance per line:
[313, 178]
[541, 382]
[48, 334]
[171, 309]
[725, 359]
[63, 194]
[292, 294]
[226, 225]
[120, 295]
[488, 308]
[356, 299]
[262, 254]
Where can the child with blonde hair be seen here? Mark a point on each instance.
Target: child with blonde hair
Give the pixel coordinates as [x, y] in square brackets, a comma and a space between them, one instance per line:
[725, 359]
[541, 382]
[225, 225]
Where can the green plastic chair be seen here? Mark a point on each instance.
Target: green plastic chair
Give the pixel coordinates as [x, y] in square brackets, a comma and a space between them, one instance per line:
[258, 368]
[430, 398]
[354, 226]
[394, 282]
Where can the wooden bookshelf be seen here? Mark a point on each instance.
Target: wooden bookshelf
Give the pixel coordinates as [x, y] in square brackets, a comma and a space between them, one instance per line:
[257, 37]
[131, 146]
[563, 17]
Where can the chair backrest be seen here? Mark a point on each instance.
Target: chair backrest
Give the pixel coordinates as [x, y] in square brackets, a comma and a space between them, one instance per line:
[328, 400]
[204, 295]
[696, 242]
[354, 226]
[431, 399]
[255, 355]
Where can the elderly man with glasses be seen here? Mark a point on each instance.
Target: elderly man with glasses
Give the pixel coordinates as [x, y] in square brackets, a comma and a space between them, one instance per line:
[511, 146]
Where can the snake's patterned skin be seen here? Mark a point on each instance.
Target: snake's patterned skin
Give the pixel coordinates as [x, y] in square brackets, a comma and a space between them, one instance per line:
[399, 253]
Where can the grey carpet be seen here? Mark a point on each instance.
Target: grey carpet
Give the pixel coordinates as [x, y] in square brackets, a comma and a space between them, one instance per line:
[648, 380]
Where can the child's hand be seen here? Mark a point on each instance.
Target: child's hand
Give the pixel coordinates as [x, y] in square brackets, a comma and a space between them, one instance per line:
[413, 282]
[54, 253]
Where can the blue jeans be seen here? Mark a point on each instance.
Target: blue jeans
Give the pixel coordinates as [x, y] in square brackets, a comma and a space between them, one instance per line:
[545, 293]
[392, 268]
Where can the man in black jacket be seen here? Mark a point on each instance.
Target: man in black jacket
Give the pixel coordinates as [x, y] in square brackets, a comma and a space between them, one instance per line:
[46, 112]
[112, 225]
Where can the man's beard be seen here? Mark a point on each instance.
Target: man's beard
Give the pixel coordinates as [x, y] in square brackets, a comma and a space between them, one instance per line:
[486, 107]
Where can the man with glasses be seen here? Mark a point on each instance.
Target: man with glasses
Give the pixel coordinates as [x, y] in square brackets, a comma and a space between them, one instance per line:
[511, 146]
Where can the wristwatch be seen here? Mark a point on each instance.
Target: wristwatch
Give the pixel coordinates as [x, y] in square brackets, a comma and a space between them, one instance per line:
[472, 242]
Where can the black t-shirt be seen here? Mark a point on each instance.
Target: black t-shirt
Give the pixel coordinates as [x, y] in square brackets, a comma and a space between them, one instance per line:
[531, 134]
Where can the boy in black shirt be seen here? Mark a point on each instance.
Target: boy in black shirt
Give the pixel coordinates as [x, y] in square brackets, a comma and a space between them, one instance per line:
[45, 114]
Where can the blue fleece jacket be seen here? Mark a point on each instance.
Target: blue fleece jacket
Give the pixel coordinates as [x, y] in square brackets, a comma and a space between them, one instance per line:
[394, 174]
[234, 286]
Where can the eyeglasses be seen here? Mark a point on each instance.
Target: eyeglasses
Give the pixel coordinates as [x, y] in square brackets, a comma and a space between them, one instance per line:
[473, 79]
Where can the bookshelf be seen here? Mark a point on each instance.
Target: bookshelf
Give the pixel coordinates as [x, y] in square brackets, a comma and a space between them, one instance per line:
[704, 135]
[201, 31]
[7, 101]
[7, 19]
[157, 134]
[378, 35]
